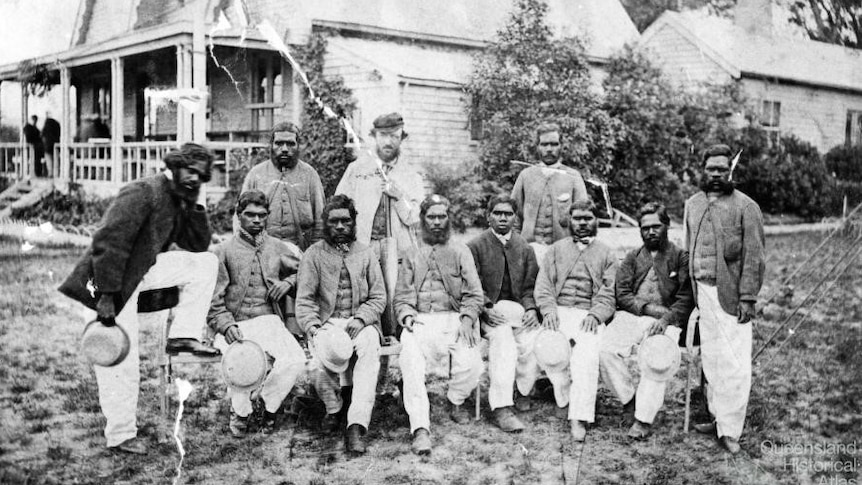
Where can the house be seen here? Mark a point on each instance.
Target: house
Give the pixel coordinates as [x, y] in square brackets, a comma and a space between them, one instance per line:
[810, 89]
[136, 68]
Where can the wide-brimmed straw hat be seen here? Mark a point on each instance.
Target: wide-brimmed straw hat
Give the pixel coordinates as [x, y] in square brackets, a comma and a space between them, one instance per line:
[334, 348]
[552, 349]
[244, 365]
[659, 357]
[104, 345]
[512, 311]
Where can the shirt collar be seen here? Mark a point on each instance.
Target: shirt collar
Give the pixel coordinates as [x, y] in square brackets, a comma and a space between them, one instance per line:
[503, 238]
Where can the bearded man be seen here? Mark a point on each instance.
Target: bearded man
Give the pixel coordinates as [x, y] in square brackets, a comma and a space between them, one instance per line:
[154, 235]
[293, 189]
[725, 241]
[256, 272]
[653, 297]
[544, 192]
[437, 302]
[575, 294]
[507, 268]
[340, 284]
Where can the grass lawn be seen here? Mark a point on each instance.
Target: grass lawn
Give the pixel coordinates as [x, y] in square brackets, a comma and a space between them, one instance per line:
[804, 421]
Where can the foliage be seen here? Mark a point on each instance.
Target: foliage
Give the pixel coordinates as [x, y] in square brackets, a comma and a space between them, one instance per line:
[37, 78]
[323, 138]
[525, 78]
[645, 12]
[833, 21]
[467, 192]
[74, 208]
[845, 162]
[9, 133]
[790, 179]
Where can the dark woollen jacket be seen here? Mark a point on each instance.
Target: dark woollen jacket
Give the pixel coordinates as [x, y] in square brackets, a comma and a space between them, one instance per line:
[488, 253]
[142, 222]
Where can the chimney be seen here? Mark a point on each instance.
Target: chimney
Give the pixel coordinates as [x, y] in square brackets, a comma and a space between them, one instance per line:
[754, 17]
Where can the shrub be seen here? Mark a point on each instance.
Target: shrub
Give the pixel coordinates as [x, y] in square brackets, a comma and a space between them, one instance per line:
[845, 163]
[74, 208]
[467, 191]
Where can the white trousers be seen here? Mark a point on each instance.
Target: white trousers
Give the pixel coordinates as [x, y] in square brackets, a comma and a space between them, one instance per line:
[583, 366]
[625, 332]
[432, 346]
[361, 374]
[195, 274]
[510, 361]
[269, 332]
[725, 347]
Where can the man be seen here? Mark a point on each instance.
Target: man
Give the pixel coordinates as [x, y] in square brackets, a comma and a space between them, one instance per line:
[653, 297]
[507, 268]
[293, 189]
[437, 302]
[256, 272]
[33, 137]
[50, 137]
[387, 192]
[154, 235]
[724, 236]
[575, 294]
[340, 285]
[544, 193]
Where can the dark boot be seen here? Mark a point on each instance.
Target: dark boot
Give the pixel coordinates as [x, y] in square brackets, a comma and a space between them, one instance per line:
[354, 439]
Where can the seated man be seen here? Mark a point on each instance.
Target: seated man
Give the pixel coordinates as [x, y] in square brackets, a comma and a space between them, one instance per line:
[340, 284]
[653, 296]
[437, 301]
[575, 293]
[507, 269]
[255, 273]
[154, 235]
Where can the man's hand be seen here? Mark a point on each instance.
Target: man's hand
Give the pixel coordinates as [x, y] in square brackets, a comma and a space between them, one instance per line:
[105, 310]
[232, 334]
[657, 328]
[392, 190]
[530, 318]
[746, 311]
[278, 290]
[655, 310]
[466, 333]
[495, 318]
[354, 326]
[408, 322]
[590, 324]
[551, 321]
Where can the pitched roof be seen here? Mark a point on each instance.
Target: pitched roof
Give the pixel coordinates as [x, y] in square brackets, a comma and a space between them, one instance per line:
[743, 54]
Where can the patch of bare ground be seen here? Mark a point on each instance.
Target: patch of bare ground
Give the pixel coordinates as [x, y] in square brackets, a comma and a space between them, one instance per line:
[807, 393]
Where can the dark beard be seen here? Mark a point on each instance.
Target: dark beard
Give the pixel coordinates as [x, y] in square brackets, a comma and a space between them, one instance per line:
[330, 238]
[723, 186]
[432, 238]
[654, 245]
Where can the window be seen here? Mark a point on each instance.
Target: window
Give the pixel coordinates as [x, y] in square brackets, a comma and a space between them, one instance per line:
[853, 134]
[267, 92]
[770, 119]
[477, 127]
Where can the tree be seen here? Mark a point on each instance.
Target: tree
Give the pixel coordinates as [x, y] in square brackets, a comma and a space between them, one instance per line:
[645, 12]
[833, 21]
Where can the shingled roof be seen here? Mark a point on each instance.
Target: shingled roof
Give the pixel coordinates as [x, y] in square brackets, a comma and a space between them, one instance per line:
[747, 55]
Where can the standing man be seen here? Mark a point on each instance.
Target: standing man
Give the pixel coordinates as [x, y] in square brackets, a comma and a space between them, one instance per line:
[340, 286]
[437, 301]
[507, 268]
[653, 297]
[545, 192]
[724, 236]
[33, 137]
[575, 293]
[387, 192]
[293, 189]
[256, 272]
[50, 137]
[154, 235]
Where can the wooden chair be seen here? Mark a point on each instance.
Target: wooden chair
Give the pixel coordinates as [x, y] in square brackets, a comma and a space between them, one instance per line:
[167, 299]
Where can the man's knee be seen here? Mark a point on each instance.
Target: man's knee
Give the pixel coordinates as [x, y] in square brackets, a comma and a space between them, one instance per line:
[368, 342]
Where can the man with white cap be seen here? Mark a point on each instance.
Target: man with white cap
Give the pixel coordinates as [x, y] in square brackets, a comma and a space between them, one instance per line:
[341, 290]
[653, 298]
[724, 237]
[256, 273]
[507, 268]
[575, 294]
[437, 302]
